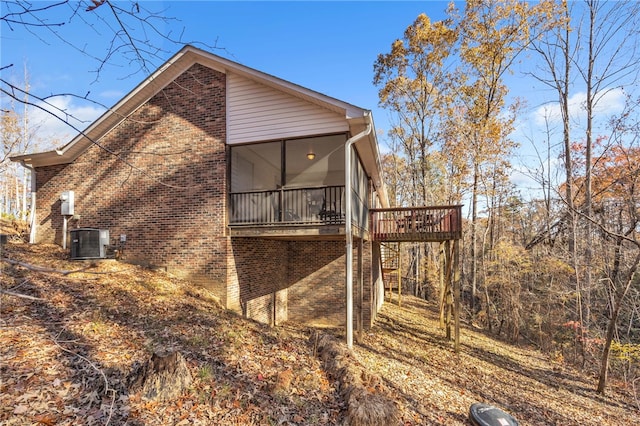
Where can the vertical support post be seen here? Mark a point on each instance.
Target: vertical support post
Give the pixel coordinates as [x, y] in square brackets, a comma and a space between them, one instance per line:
[417, 279]
[456, 294]
[360, 289]
[449, 292]
[399, 272]
[65, 221]
[399, 289]
[274, 310]
[442, 285]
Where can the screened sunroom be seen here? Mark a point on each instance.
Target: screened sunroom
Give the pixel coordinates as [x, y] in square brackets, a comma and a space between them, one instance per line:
[294, 182]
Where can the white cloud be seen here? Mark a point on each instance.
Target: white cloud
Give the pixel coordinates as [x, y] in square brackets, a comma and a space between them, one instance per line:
[610, 102]
[72, 115]
[112, 94]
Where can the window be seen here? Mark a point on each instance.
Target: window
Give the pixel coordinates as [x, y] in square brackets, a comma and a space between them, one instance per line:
[308, 162]
[315, 161]
[256, 167]
[294, 180]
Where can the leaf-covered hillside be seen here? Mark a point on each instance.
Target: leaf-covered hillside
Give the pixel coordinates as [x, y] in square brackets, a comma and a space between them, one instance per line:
[68, 348]
[69, 341]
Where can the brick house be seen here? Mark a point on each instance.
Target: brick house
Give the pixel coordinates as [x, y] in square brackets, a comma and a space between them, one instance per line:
[235, 178]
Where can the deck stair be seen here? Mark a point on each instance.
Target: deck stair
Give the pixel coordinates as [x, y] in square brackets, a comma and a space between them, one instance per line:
[390, 255]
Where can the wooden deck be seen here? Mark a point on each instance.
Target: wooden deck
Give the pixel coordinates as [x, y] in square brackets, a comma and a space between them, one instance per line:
[319, 212]
[406, 224]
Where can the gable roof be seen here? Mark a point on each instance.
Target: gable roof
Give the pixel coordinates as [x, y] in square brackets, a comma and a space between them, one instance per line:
[356, 117]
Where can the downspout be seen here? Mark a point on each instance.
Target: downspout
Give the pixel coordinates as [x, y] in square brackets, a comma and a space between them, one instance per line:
[347, 228]
[32, 214]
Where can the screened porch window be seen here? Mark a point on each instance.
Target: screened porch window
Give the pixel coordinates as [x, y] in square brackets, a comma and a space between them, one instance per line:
[256, 167]
[294, 180]
[308, 162]
[314, 161]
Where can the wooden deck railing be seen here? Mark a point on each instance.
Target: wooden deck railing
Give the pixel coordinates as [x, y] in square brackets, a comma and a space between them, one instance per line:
[326, 206]
[432, 223]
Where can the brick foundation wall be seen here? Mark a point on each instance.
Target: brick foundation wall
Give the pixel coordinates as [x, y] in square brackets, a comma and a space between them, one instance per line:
[259, 287]
[302, 281]
[316, 278]
[165, 191]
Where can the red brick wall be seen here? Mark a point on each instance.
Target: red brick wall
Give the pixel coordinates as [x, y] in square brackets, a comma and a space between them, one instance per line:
[316, 278]
[259, 287]
[165, 189]
[303, 281]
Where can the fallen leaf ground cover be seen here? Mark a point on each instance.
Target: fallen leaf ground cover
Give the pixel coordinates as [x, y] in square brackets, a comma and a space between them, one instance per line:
[67, 350]
[68, 343]
[434, 385]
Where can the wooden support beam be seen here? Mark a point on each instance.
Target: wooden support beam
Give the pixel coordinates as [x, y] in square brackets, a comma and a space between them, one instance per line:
[399, 277]
[449, 295]
[442, 290]
[456, 294]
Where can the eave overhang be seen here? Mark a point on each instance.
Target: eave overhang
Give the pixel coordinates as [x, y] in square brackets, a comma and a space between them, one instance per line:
[357, 117]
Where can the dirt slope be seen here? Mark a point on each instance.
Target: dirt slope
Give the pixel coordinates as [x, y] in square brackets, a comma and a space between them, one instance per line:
[68, 346]
[436, 386]
[66, 351]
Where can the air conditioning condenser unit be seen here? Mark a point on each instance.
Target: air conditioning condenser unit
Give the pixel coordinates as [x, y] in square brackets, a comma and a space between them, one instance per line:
[89, 243]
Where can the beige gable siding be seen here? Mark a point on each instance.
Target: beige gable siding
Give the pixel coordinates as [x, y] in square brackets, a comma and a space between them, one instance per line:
[257, 112]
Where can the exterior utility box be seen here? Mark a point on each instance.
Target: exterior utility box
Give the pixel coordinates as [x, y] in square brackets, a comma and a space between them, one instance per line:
[67, 203]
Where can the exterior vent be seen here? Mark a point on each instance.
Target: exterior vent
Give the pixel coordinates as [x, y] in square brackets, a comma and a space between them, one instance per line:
[89, 243]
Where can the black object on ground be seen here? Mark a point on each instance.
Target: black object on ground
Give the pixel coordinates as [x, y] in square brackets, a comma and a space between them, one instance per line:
[487, 415]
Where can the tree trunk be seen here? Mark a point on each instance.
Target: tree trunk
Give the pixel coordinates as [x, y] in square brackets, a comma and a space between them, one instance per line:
[474, 236]
[611, 327]
[162, 378]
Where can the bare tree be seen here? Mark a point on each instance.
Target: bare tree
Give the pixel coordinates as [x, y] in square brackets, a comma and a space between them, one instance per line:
[18, 136]
[493, 34]
[611, 39]
[130, 36]
[616, 196]
[130, 32]
[127, 35]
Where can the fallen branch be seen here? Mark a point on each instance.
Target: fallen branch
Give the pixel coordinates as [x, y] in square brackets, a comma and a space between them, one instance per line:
[64, 272]
[23, 296]
[88, 361]
[107, 388]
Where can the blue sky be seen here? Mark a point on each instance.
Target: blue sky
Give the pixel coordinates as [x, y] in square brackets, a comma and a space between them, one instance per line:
[327, 46]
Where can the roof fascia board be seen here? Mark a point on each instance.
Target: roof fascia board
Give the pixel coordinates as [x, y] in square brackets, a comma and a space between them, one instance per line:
[172, 68]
